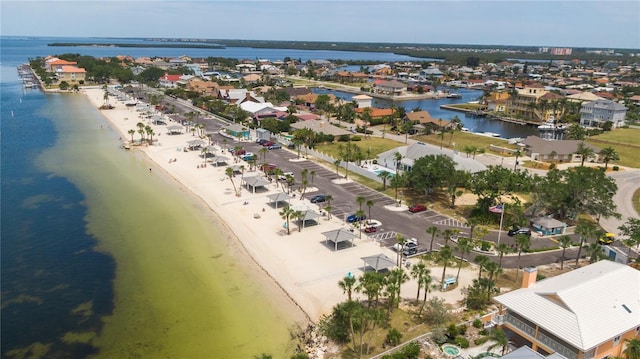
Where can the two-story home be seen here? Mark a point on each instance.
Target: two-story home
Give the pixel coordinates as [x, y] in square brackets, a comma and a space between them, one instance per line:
[597, 113]
[587, 313]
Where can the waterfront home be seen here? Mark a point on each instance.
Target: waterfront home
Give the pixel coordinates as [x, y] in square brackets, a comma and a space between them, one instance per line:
[587, 313]
[555, 150]
[362, 101]
[392, 88]
[424, 119]
[54, 64]
[597, 113]
[169, 81]
[525, 102]
[71, 74]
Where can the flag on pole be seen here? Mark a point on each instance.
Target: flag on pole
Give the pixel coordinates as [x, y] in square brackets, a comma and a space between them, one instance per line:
[496, 209]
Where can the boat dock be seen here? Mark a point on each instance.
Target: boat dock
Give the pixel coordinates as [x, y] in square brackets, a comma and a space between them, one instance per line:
[29, 78]
[489, 115]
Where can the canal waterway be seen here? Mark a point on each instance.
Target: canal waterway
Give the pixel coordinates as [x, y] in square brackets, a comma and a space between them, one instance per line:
[433, 106]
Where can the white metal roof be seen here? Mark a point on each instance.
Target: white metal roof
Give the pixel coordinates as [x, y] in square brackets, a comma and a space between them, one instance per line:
[584, 307]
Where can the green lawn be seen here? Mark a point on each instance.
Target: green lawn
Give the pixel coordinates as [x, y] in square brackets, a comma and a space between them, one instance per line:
[373, 145]
[626, 141]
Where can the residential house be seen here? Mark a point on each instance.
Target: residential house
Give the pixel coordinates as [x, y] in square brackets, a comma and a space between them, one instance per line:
[423, 120]
[362, 101]
[587, 313]
[169, 81]
[71, 74]
[393, 87]
[555, 150]
[597, 113]
[524, 103]
[55, 64]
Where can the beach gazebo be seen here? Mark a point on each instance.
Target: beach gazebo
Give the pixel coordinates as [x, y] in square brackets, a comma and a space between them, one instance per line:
[175, 130]
[379, 262]
[195, 144]
[276, 198]
[255, 182]
[307, 214]
[338, 236]
[219, 159]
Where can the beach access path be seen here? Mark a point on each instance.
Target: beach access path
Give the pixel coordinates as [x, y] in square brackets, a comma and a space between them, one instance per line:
[302, 263]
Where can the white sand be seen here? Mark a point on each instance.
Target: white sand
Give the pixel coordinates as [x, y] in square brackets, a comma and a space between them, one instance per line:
[301, 263]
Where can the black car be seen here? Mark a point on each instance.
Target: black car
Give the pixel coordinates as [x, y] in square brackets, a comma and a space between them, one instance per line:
[318, 198]
[409, 249]
[514, 231]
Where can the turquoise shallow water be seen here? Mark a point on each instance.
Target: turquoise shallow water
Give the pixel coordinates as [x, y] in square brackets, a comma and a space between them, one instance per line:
[102, 258]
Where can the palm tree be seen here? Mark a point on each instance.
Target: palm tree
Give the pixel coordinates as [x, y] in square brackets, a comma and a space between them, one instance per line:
[205, 153]
[444, 256]
[131, 133]
[564, 242]
[517, 153]
[502, 249]
[229, 173]
[609, 154]
[401, 241]
[585, 152]
[523, 242]
[370, 284]
[360, 200]
[472, 223]
[448, 233]
[481, 260]
[347, 284]
[299, 216]
[433, 231]
[632, 351]
[263, 153]
[286, 214]
[312, 173]
[595, 252]
[384, 175]
[586, 230]
[417, 272]
[464, 246]
[370, 204]
[359, 214]
[500, 338]
[328, 198]
[427, 284]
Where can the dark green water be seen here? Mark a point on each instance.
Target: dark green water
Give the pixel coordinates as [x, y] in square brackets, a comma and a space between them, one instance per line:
[101, 258]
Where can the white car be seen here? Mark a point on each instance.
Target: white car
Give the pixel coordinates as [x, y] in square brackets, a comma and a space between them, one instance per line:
[283, 177]
[396, 246]
[372, 223]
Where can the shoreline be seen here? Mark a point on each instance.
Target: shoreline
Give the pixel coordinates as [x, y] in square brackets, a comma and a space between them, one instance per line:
[300, 263]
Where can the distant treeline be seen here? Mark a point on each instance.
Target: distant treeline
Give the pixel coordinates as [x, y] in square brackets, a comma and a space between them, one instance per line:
[175, 46]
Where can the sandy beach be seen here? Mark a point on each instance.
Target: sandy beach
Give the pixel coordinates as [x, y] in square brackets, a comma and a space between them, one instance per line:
[301, 263]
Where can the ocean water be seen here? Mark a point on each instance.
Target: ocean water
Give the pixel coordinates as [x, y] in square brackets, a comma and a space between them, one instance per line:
[102, 259]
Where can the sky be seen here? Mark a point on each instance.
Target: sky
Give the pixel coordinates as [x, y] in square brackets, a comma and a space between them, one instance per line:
[595, 23]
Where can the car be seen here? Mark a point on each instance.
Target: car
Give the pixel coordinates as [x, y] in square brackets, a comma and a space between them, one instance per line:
[353, 218]
[318, 198]
[607, 238]
[268, 143]
[373, 223]
[410, 240]
[409, 249]
[248, 156]
[268, 168]
[261, 141]
[370, 229]
[522, 230]
[291, 145]
[275, 146]
[417, 208]
[285, 175]
[239, 152]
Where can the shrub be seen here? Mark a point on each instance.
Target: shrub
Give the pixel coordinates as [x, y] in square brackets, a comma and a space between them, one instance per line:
[615, 168]
[393, 336]
[481, 340]
[356, 138]
[409, 351]
[485, 246]
[477, 323]
[462, 342]
[462, 329]
[452, 331]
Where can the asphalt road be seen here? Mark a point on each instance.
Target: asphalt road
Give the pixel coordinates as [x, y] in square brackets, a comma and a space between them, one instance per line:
[393, 221]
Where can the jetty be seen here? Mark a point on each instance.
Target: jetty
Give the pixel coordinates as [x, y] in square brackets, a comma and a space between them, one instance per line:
[490, 115]
[28, 77]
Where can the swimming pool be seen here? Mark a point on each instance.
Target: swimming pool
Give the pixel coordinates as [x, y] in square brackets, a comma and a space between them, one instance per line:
[450, 350]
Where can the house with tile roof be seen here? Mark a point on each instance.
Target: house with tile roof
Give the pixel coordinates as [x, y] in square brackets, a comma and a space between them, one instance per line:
[393, 87]
[587, 313]
[597, 113]
[71, 74]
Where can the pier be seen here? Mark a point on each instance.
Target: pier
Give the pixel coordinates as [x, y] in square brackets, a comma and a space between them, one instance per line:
[489, 115]
[29, 78]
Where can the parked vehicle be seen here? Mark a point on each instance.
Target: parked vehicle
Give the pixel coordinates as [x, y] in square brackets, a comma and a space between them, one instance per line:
[284, 175]
[268, 168]
[514, 231]
[318, 198]
[268, 143]
[353, 218]
[248, 156]
[417, 208]
[275, 146]
[396, 246]
[410, 249]
[607, 238]
[260, 141]
[370, 229]
[239, 152]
